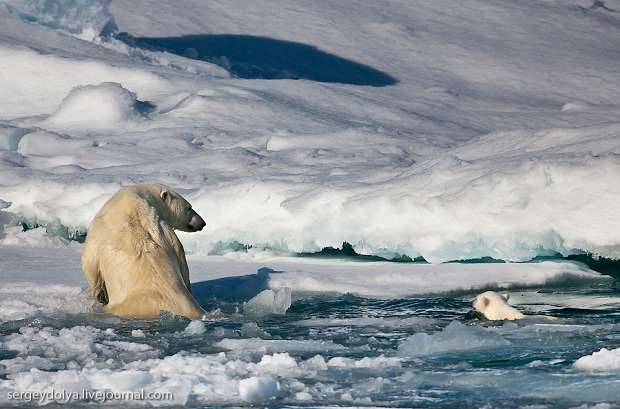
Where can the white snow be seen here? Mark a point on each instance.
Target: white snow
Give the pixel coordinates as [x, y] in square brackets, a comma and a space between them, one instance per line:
[99, 107]
[474, 151]
[604, 360]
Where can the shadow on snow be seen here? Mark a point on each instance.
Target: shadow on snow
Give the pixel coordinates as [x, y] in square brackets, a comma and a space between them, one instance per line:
[253, 57]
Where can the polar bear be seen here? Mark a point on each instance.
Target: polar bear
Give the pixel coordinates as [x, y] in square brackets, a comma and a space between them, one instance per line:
[495, 307]
[133, 261]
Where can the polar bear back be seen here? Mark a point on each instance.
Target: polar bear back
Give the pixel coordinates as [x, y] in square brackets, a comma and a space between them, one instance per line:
[133, 255]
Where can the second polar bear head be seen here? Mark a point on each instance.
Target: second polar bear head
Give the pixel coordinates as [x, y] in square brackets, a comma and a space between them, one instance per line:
[172, 207]
[495, 307]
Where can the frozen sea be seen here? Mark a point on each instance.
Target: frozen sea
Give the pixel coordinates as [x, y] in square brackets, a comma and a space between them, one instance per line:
[444, 147]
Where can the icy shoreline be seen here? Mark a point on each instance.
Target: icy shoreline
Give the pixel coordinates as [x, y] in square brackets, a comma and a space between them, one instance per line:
[51, 280]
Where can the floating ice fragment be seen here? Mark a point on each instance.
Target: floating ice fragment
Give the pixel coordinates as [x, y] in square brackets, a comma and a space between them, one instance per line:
[605, 360]
[258, 388]
[137, 333]
[195, 327]
[455, 337]
[269, 302]
[252, 330]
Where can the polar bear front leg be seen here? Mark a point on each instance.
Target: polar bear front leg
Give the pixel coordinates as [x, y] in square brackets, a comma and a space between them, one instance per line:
[179, 251]
[90, 266]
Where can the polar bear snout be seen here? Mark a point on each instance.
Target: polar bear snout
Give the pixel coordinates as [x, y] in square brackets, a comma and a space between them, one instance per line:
[197, 223]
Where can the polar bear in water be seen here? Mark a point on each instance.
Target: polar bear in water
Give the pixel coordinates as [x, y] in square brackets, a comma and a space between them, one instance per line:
[495, 307]
[133, 261]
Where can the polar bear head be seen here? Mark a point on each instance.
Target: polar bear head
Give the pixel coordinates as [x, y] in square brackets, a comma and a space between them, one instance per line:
[495, 307]
[178, 212]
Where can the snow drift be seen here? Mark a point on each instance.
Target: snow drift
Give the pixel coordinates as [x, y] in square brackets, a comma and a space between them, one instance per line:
[99, 107]
[473, 152]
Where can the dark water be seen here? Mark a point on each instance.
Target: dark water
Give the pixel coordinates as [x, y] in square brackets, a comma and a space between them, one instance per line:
[382, 357]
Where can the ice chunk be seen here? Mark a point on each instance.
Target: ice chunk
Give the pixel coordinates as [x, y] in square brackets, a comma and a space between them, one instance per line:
[258, 388]
[316, 363]
[605, 360]
[281, 364]
[138, 333]
[455, 337]
[269, 302]
[195, 327]
[252, 330]
[95, 107]
[86, 18]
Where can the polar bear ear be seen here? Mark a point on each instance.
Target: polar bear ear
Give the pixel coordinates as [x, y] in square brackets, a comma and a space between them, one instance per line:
[506, 297]
[164, 194]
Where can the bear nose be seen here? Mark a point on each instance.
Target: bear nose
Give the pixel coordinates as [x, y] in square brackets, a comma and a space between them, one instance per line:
[200, 223]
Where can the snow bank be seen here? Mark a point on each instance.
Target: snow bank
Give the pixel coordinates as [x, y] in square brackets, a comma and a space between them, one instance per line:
[56, 76]
[541, 195]
[88, 19]
[470, 154]
[389, 280]
[106, 106]
[455, 337]
[604, 360]
[218, 274]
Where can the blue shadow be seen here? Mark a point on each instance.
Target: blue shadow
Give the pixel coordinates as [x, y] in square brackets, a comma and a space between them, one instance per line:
[253, 57]
[232, 289]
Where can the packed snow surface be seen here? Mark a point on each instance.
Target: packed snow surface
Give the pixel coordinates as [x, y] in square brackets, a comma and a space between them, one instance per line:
[497, 139]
